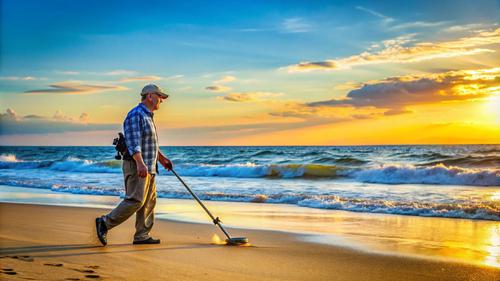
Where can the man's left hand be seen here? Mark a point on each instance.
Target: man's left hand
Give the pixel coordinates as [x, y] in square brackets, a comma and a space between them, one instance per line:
[166, 163]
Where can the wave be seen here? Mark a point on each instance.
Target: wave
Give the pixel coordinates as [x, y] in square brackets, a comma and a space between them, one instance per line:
[70, 164]
[313, 153]
[468, 210]
[469, 161]
[427, 156]
[459, 209]
[437, 174]
[348, 161]
[250, 170]
[8, 158]
[489, 150]
[267, 153]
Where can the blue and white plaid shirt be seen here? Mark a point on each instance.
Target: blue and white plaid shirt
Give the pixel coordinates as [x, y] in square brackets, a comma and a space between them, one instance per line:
[140, 135]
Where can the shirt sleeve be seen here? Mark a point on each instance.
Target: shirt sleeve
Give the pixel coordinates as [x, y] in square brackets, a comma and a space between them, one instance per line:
[133, 133]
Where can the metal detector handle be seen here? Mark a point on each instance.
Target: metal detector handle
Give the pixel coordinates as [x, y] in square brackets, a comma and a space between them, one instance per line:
[216, 221]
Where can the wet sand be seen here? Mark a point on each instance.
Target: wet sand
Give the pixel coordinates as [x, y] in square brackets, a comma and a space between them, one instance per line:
[59, 243]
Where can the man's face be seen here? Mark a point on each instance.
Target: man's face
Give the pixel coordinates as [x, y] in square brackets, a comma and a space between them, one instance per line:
[156, 100]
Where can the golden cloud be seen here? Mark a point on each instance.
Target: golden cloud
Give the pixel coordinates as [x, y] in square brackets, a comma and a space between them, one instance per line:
[76, 88]
[225, 79]
[397, 93]
[218, 88]
[397, 51]
[249, 96]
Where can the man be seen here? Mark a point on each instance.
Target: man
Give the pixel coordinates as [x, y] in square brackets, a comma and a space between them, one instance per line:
[140, 170]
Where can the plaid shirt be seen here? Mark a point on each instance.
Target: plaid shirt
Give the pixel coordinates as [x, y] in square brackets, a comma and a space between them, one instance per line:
[140, 135]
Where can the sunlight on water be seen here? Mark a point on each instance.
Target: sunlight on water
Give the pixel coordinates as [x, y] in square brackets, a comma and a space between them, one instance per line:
[495, 196]
[493, 249]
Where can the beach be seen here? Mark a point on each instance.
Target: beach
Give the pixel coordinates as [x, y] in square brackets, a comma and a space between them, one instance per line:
[310, 213]
[59, 243]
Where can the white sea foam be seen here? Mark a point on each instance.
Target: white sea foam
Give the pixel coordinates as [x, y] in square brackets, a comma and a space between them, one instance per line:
[8, 158]
[438, 174]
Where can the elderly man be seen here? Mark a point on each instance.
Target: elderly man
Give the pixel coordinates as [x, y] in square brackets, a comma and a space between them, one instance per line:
[139, 170]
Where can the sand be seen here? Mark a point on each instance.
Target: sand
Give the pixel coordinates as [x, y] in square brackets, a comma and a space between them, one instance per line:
[58, 243]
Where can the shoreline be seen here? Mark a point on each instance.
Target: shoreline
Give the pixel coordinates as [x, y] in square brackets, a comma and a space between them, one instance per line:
[454, 240]
[65, 235]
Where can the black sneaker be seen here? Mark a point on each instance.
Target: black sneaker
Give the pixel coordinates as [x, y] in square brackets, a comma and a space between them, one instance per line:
[150, 240]
[102, 230]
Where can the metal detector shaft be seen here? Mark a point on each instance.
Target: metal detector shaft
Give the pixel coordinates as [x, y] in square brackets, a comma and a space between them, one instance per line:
[216, 220]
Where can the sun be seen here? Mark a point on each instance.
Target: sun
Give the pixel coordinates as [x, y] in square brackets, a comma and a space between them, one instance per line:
[492, 107]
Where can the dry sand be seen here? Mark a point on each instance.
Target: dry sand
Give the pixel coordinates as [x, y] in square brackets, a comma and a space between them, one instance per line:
[59, 243]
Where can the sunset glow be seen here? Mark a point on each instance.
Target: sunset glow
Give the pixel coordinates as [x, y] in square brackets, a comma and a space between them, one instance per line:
[306, 75]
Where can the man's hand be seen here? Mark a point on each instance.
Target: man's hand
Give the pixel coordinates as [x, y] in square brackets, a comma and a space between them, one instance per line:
[165, 162]
[142, 170]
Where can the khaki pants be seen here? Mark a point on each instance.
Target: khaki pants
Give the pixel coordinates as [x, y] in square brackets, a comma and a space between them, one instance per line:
[140, 198]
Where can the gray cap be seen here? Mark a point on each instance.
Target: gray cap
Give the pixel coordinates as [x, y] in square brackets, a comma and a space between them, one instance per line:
[153, 89]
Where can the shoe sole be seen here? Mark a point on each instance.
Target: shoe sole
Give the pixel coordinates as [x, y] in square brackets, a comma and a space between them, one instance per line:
[145, 243]
[103, 242]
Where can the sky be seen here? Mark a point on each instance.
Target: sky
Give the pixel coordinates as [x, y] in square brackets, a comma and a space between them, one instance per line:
[252, 73]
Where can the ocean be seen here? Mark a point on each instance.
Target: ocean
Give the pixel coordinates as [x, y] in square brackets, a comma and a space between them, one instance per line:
[451, 181]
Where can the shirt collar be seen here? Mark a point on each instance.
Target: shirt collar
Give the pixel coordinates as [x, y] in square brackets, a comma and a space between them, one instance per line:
[146, 109]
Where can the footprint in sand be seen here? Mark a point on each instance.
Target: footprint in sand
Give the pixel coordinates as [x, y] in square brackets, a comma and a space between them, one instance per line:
[8, 271]
[53, 264]
[92, 266]
[24, 258]
[93, 276]
[84, 270]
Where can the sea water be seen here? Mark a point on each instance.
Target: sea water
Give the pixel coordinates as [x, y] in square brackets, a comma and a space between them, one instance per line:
[453, 181]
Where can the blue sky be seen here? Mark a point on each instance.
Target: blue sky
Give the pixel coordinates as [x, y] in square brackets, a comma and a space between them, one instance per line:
[187, 46]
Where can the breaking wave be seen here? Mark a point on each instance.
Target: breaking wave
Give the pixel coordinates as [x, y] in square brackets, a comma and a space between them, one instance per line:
[437, 174]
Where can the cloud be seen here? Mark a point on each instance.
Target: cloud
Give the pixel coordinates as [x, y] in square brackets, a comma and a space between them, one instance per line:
[33, 116]
[141, 78]
[419, 24]
[218, 89]
[385, 19]
[16, 78]
[399, 50]
[397, 111]
[295, 25]
[296, 110]
[347, 86]
[225, 79]
[75, 88]
[468, 27]
[390, 22]
[68, 72]
[13, 124]
[309, 66]
[60, 116]
[121, 72]
[249, 96]
[174, 77]
[397, 93]
[84, 118]
[10, 114]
